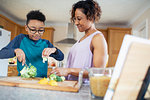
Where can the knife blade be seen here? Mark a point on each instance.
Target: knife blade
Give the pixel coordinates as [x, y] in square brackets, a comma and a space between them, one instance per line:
[26, 65]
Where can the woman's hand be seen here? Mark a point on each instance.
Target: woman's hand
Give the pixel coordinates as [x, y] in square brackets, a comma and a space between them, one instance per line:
[61, 71]
[20, 55]
[47, 51]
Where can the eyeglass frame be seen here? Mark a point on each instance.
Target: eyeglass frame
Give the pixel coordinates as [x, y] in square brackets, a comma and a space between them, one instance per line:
[35, 30]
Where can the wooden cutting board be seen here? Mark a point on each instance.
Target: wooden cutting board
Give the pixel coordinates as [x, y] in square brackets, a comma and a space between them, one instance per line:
[68, 86]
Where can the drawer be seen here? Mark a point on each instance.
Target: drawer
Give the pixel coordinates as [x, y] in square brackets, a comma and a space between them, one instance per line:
[12, 71]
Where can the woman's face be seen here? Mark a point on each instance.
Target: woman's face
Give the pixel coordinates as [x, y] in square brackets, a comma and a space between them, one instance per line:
[81, 21]
[35, 29]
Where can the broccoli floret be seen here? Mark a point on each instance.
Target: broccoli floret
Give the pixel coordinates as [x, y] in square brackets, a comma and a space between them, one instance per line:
[32, 71]
[56, 78]
[63, 78]
[25, 75]
[28, 72]
[52, 77]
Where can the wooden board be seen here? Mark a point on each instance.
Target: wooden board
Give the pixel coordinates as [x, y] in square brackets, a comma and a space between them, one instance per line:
[130, 70]
[68, 86]
[134, 72]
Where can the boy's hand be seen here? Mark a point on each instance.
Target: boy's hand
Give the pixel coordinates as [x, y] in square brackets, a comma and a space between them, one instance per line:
[20, 56]
[47, 51]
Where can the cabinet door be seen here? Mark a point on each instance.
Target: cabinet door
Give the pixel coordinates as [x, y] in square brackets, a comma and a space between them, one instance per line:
[2, 22]
[9, 25]
[48, 34]
[12, 71]
[115, 38]
[22, 30]
[104, 31]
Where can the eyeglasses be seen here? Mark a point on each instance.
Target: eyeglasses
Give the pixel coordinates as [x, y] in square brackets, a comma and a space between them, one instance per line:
[33, 31]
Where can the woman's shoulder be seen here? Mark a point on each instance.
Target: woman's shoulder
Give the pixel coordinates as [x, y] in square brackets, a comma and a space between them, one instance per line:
[98, 39]
[98, 35]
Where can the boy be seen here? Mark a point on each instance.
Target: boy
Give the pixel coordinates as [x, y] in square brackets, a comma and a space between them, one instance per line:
[31, 48]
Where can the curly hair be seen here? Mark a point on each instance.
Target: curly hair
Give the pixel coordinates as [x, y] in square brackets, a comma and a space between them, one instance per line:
[90, 8]
[35, 15]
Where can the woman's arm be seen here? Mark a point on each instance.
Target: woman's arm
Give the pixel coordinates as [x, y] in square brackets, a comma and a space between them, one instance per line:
[99, 49]
[67, 71]
[75, 72]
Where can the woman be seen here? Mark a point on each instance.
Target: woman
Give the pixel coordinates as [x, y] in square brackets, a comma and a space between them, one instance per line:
[91, 49]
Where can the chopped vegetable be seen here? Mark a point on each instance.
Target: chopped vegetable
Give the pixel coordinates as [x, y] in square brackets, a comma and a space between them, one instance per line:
[46, 81]
[52, 77]
[45, 59]
[52, 80]
[32, 71]
[56, 78]
[63, 78]
[43, 81]
[52, 83]
[28, 72]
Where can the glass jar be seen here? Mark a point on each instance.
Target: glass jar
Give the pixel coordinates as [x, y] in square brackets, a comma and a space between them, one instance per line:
[99, 81]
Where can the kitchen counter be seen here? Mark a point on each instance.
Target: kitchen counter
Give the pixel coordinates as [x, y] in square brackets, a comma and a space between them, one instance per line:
[17, 93]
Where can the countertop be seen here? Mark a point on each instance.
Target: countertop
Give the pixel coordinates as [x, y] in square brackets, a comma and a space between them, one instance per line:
[18, 93]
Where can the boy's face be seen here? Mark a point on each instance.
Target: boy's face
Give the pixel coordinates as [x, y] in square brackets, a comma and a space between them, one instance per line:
[35, 29]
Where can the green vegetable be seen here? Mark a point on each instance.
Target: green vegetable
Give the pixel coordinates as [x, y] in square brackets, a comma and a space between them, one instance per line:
[52, 77]
[28, 72]
[56, 78]
[32, 71]
[63, 78]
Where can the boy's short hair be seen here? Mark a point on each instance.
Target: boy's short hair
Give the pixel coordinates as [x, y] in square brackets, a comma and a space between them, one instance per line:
[35, 15]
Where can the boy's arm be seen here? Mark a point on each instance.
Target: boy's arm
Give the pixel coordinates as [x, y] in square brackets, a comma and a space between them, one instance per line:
[58, 55]
[8, 51]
